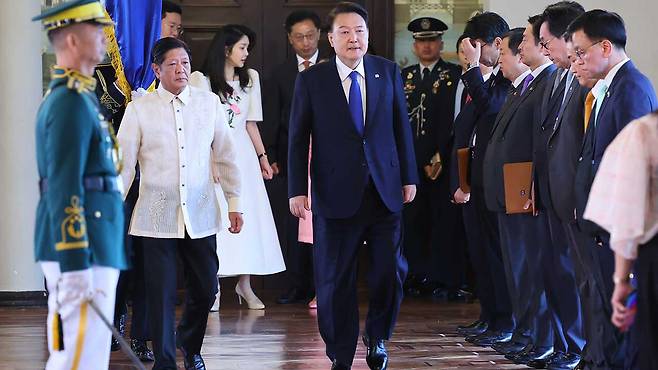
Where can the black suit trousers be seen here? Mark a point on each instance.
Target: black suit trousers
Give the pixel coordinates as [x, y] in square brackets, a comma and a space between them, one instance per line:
[522, 238]
[337, 243]
[647, 319]
[561, 288]
[200, 264]
[502, 315]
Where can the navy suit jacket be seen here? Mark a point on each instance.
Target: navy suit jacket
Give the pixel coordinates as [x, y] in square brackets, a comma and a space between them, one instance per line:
[512, 137]
[629, 96]
[343, 160]
[488, 98]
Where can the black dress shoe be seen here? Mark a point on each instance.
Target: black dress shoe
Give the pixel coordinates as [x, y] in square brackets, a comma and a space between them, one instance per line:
[496, 337]
[141, 350]
[294, 295]
[474, 328]
[511, 347]
[376, 356]
[542, 363]
[194, 362]
[567, 361]
[120, 325]
[532, 355]
[337, 366]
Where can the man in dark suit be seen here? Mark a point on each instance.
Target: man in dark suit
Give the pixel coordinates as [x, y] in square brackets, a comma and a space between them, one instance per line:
[432, 224]
[523, 236]
[483, 38]
[621, 95]
[303, 29]
[362, 171]
[557, 139]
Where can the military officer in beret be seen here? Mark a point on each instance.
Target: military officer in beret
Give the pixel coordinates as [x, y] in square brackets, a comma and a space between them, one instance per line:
[78, 235]
[431, 221]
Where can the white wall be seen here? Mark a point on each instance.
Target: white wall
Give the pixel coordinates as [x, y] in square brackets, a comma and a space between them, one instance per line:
[639, 16]
[20, 95]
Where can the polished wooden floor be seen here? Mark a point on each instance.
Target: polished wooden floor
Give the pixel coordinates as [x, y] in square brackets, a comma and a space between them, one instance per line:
[282, 337]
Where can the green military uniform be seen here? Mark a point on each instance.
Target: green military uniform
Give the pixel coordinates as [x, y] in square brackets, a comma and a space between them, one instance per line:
[432, 223]
[79, 222]
[80, 212]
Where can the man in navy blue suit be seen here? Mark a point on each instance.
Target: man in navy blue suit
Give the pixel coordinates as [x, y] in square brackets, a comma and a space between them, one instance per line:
[621, 95]
[362, 171]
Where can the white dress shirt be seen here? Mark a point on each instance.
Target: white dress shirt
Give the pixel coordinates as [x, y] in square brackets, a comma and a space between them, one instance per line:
[313, 61]
[176, 139]
[520, 79]
[344, 75]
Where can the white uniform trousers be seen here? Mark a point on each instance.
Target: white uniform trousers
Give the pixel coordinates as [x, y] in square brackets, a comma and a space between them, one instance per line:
[86, 338]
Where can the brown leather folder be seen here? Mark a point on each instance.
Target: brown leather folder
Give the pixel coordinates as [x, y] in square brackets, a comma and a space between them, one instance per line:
[518, 187]
[463, 160]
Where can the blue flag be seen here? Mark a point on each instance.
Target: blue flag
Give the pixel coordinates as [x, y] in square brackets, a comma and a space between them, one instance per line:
[136, 29]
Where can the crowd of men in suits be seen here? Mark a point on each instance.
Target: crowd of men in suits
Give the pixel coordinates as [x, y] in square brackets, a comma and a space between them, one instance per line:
[561, 89]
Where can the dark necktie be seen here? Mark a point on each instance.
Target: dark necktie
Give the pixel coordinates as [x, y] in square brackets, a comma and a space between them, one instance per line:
[426, 75]
[356, 106]
[464, 97]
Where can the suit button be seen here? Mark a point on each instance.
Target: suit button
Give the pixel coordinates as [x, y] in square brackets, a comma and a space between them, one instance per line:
[364, 141]
[363, 164]
[580, 159]
[97, 214]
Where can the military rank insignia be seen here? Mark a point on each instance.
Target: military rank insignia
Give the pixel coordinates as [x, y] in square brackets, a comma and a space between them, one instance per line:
[73, 228]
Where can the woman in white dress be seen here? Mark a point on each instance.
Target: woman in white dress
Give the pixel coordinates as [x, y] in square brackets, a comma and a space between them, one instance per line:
[255, 250]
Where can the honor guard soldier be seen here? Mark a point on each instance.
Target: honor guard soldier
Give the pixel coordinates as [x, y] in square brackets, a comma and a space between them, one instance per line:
[432, 223]
[78, 235]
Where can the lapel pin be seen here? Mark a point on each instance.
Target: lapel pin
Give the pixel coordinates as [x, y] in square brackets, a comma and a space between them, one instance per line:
[607, 94]
[376, 75]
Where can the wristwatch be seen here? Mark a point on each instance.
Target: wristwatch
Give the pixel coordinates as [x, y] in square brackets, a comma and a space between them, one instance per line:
[472, 65]
[623, 279]
[261, 155]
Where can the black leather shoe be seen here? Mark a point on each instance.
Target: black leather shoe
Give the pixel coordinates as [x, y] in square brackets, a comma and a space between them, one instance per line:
[567, 361]
[120, 325]
[337, 366]
[497, 337]
[534, 354]
[474, 328]
[294, 295]
[542, 363]
[376, 356]
[511, 347]
[194, 362]
[141, 350]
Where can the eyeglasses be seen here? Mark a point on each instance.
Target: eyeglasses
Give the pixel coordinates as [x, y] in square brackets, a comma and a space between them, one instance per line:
[544, 44]
[298, 37]
[177, 28]
[580, 53]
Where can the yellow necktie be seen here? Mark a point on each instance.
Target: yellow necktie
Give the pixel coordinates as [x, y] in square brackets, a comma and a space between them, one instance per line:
[589, 104]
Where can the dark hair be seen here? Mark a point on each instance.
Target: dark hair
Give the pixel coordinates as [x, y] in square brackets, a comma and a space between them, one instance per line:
[559, 15]
[601, 25]
[213, 66]
[486, 27]
[346, 7]
[163, 45]
[515, 36]
[300, 16]
[170, 7]
[535, 22]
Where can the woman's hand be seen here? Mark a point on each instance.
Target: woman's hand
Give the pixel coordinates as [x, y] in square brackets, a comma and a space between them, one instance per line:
[265, 168]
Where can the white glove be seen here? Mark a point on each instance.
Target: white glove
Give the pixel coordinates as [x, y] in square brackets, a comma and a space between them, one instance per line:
[135, 94]
[74, 288]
